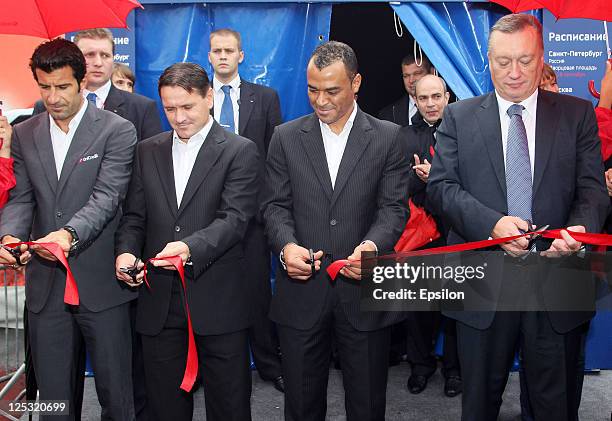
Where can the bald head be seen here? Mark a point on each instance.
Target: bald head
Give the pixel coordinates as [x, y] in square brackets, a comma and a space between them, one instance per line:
[431, 97]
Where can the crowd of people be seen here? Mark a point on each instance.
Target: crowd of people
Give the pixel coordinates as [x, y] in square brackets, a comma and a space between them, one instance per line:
[231, 185]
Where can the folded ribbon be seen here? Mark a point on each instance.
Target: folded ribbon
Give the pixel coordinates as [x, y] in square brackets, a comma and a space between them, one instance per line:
[71, 294]
[191, 368]
[583, 237]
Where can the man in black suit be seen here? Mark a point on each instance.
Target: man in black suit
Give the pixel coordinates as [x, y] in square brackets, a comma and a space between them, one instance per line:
[192, 194]
[72, 166]
[489, 150]
[336, 184]
[98, 47]
[404, 109]
[252, 111]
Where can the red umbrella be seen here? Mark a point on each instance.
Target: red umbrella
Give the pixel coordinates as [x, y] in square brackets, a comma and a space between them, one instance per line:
[51, 18]
[586, 9]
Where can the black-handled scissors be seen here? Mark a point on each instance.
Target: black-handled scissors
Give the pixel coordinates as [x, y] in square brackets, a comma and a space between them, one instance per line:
[16, 253]
[132, 271]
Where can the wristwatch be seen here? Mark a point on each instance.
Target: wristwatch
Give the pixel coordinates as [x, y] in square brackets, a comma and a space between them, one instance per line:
[75, 238]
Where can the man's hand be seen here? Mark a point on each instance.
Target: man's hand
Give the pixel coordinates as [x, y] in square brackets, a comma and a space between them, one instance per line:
[608, 175]
[566, 245]
[125, 260]
[509, 226]
[353, 270]
[175, 248]
[297, 260]
[6, 258]
[422, 170]
[6, 131]
[60, 237]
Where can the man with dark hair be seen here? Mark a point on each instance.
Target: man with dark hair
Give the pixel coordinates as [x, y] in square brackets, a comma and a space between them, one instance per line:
[98, 47]
[252, 111]
[335, 187]
[72, 166]
[192, 194]
[404, 109]
[504, 161]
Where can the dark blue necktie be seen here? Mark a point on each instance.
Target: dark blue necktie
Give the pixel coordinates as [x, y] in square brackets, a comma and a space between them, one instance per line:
[518, 167]
[227, 110]
[91, 97]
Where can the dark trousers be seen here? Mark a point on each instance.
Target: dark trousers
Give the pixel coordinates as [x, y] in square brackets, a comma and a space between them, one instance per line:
[57, 335]
[224, 369]
[549, 363]
[422, 329]
[262, 331]
[364, 358]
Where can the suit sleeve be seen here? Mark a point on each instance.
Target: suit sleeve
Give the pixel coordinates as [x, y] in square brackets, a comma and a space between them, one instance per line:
[392, 211]
[237, 206]
[111, 184]
[18, 214]
[590, 206]
[467, 215]
[130, 236]
[278, 201]
[151, 123]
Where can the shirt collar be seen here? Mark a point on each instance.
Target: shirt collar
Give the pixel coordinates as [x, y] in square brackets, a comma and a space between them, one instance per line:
[529, 103]
[198, 138]
[101, 93]
[234, 83]
[347, 126]
[74, 122]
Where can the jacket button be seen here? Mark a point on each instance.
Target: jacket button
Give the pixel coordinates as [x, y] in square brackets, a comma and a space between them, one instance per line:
[333, 222]
[177, 228]
[59, 214]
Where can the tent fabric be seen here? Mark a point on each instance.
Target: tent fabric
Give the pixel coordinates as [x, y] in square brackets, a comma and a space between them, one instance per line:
[454, 37]
[277, 40]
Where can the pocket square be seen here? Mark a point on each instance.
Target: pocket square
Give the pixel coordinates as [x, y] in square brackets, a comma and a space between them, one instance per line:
[88, 158]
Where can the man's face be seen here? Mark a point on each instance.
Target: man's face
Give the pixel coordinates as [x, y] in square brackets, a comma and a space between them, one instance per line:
[516, 62]
[122, 82]
[60, 93]
[331, 92]
[99, 57]
[431, 98]
[187, 112]
[411, 73]
[224, 56]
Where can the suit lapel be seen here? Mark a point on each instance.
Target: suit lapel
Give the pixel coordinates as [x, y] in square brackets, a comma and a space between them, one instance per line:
[547, 120]
[490, 127]
[81, 142]
[162, 154]
[247, 102]
[357, 142]
[312, 142]
[114, 101]
[44, 147]
[207, 156]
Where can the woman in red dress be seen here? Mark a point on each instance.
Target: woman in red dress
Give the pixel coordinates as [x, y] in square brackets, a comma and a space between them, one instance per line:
[7, 178]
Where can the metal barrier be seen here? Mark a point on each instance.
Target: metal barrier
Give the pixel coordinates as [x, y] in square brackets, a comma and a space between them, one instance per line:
[13, 295]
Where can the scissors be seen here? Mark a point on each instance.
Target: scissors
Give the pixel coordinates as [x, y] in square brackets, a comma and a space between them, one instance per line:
[311, 260]
[16, 253]
[132, 271]
[532, 242]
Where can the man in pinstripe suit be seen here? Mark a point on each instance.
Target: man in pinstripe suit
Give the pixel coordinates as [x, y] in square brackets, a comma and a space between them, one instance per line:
[336, 184]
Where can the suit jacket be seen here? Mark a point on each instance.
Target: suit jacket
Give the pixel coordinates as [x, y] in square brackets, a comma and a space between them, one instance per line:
[467, 181]
[92, 185]
[139, 110]
[219, 201]
[397, 111]
[368, 202]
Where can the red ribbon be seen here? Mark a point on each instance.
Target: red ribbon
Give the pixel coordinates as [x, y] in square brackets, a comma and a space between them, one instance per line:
[71, 293]
[586, 238]
[191, 368]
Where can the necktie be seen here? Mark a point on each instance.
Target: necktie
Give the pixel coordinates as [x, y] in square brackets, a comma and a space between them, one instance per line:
[91, 97]
[227, 110]
[518, 167]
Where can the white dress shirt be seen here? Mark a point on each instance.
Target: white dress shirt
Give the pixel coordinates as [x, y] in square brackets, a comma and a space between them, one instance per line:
[412, 109]
[219, 97]
[335, 143]
[529, 119]
[184, 155]
[61, 141]
[101, 94]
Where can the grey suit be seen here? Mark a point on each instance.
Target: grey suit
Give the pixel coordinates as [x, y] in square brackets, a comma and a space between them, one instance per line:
[87, 196]
[367, 203]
